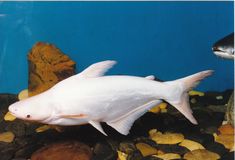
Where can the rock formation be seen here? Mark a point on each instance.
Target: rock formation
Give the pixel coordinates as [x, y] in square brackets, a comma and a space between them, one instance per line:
[63, 150]
[47, 66]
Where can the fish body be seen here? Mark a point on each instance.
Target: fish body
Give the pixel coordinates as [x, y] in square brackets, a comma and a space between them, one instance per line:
[90, 97]
[225, 47]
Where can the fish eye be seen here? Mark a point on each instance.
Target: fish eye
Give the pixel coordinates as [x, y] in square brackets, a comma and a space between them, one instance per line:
[28, 116]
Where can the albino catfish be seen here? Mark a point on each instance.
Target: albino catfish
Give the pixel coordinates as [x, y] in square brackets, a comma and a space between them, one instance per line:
[90, 97]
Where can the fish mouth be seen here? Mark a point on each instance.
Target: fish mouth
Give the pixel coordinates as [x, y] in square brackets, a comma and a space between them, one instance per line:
[224, 55]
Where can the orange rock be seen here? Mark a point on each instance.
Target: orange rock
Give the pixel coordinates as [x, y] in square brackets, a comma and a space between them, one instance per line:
[63, 151]
[226, 129]
[47, 66]
[226, 139]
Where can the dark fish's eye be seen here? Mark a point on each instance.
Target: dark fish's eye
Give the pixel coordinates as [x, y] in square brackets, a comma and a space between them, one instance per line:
[28, 116]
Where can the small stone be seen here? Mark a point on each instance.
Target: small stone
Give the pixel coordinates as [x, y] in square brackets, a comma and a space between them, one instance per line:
[155, 109]
[196, 93]
[146, 149]
[226, 139]
[226, 129]
[163, 105]
[17, 127]
[193, 101]
[191, 145]
[159, 108]
[219, 97]
[169, 156]
[42, 128]
[121, 155]
[164, 110]
[7, 137]
[26, 150]
[166, 138]
[9, 117]
[127, 147]
[63, 150]
[103, 151]
[200, 154]
[8, 151]
[136, 155]
[23, 94]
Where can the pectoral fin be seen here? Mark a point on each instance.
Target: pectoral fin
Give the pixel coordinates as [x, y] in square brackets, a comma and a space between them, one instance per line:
[123, 124]
[98, 126]
[74, 116]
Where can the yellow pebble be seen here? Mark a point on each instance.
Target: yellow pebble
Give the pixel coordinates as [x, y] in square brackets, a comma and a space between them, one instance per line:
[164, 110]
[191, 145]
[7, 137]
[23, 94]
[159, 108]
[201, 154]
[9, 117]
[152, 132]
[168, 156]
[122, 156]
[155, 109]
[42, 128]
[163, 105]
[167, 138]
[196, 93]
[225, 139]
[146, 149]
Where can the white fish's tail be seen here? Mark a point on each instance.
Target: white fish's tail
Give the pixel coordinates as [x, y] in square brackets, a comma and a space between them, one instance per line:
[178, 96]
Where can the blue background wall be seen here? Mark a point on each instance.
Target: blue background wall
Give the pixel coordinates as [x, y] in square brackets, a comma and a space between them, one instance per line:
[167, 39]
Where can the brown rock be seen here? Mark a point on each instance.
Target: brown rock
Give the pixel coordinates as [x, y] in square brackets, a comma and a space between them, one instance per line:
[62, 151]
[226, 129]
[47, 66]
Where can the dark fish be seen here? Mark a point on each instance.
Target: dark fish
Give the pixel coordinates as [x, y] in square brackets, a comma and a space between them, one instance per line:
[225, 47]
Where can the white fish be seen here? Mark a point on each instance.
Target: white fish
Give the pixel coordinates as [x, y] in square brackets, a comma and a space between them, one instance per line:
[90, 97]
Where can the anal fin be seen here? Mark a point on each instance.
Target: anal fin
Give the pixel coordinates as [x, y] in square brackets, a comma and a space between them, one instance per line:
[123, 124]
[98, 126]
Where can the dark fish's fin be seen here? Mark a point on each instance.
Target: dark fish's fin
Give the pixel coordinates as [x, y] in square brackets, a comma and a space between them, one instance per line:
[97, 69]
[123, 124]
[98, 126]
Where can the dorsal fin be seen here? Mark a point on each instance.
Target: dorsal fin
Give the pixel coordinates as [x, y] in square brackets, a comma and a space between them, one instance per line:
[96, 69]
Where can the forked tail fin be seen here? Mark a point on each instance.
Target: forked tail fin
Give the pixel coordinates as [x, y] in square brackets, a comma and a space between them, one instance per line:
[179, 97]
